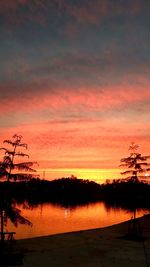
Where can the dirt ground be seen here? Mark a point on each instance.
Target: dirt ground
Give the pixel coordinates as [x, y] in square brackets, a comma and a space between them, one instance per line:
[103, 247]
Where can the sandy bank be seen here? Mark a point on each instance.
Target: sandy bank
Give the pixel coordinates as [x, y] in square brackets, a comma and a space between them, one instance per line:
[92, 248]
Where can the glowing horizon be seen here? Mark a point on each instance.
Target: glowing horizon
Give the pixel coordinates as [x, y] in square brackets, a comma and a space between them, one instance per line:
[98, 175]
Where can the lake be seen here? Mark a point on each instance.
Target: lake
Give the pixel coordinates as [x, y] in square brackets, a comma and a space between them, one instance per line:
[48, 219]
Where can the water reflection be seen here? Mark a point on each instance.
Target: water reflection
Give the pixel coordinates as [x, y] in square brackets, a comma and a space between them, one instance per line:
[52, 219]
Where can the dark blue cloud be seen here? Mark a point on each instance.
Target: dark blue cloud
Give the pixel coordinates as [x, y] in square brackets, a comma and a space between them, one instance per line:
[72, 43]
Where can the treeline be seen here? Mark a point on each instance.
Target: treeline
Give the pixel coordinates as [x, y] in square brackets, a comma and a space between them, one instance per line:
[73, 191]
[66, 191]
[126, 194]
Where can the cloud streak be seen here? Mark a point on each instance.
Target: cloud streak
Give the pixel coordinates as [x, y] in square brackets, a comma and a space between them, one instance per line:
[19, 12]
[81, 143]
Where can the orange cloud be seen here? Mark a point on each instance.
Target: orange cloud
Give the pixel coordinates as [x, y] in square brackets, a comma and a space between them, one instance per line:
[81, 144]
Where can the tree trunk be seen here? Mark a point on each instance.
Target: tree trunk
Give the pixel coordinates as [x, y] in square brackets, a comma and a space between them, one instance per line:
[2, 229]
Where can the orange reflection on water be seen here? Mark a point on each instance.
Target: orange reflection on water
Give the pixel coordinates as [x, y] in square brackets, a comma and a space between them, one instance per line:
[50, 219]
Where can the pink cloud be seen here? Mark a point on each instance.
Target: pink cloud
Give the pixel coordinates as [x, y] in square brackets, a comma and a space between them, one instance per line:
[80, 100]
[81, 143]
[90, 12]
[96, 98]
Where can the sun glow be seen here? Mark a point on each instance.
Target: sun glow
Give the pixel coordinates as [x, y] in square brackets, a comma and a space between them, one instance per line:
[97, 175]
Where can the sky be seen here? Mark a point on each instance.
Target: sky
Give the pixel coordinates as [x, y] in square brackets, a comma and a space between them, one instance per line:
[74, 82]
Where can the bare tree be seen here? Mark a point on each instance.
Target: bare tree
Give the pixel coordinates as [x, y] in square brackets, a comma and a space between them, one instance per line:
[9, 168]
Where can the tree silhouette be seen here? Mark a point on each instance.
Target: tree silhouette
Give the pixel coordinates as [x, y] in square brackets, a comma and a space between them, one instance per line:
[8, 167]
[136, 164]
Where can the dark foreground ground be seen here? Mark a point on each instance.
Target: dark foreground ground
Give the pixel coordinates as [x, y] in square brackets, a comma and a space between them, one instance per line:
[102, 247]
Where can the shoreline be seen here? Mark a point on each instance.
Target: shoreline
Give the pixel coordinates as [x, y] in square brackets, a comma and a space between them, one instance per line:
[120, 224]
[95, 247]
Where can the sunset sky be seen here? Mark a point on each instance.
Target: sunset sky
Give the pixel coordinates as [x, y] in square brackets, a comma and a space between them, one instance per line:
[74, 82]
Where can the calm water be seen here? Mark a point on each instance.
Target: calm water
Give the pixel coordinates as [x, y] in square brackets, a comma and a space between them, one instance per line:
[50, 219]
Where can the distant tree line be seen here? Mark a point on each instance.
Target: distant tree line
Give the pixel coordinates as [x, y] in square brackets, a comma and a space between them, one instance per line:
[73, 191]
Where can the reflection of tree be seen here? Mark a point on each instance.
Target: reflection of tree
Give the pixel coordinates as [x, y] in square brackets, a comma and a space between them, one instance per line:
[8, 210]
